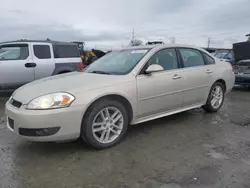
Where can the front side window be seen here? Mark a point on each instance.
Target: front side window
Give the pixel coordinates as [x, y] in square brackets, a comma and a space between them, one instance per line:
[167, 58]
[14, 52]
[117, 62]
[42, 51]
[191, 57]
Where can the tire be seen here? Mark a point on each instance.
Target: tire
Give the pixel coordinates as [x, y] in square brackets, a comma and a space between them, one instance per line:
[94, 113]
[209, 106]
[64, 72]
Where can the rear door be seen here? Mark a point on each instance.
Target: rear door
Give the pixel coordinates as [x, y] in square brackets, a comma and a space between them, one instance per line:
[44, 60]
[15, 65]
[197, 77]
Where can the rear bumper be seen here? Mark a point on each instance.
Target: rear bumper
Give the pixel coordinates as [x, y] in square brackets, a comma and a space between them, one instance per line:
[243, 79]
[45, 125]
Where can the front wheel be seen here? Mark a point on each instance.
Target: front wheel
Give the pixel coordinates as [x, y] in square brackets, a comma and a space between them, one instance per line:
[216, 98]
[105, 124]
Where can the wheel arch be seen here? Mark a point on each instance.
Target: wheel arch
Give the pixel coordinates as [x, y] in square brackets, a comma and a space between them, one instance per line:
[118, 97]
[223, 83]
[64, 71]
[64, 68]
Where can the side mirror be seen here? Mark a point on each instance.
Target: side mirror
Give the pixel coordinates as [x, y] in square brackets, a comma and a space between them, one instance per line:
[154, 68]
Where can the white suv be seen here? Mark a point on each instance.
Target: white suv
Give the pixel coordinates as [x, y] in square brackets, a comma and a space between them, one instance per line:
[24, 61]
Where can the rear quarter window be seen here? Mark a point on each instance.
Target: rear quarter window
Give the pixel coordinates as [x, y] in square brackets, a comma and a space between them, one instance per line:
[65, 51]
[208, 59]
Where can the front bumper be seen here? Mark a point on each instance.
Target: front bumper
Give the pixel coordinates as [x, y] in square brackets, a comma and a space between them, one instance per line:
[60, 124]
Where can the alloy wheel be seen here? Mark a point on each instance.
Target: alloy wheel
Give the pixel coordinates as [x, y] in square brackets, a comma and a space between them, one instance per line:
[217, 97]
[107, 125]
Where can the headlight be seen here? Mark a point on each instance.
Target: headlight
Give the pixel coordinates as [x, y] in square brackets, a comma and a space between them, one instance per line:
[51, 101]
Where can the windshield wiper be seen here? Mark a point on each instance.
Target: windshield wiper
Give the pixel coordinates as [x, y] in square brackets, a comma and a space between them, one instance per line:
[99, 72]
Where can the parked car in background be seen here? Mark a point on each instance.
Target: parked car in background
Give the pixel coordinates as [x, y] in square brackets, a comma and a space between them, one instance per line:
[242, 65]
[225, 55]
[242, 73]
[24, 61]
[128, 86]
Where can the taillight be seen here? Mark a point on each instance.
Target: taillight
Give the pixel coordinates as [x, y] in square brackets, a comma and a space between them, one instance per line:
[232, 68]
[80, 66]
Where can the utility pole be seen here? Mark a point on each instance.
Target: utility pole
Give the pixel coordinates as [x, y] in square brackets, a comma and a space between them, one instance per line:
[133, 36]
[208, 42]
[173, 40]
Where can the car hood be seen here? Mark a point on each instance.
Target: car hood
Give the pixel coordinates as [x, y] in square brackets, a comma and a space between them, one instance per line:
[70, 82]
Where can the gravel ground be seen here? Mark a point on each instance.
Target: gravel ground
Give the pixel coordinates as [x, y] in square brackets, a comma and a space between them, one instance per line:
[191, 149]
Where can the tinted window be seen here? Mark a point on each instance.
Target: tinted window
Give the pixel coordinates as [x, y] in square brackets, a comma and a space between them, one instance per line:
[191, 57]
[208, 60]
[66, 51]
[14, 52]
[166, 58]
[244, 63]
[42, 51]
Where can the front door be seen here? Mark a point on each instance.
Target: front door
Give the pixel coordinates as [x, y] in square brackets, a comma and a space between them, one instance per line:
[15, 65]
[161, 91]
[44, 60]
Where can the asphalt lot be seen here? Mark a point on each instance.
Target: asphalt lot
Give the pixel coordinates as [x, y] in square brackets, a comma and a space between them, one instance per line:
[192, 149]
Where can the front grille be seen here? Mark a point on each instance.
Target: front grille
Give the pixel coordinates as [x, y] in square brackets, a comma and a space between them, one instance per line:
[11, 123]
[15, 103]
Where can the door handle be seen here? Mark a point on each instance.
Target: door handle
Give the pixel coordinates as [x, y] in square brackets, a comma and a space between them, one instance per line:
[30, 65]
[208, 71]
[176, 76]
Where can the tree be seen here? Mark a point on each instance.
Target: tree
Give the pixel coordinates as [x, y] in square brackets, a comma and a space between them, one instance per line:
[135, 42]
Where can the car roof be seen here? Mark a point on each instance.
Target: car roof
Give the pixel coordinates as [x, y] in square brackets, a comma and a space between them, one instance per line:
[159, 46]
[40, 41]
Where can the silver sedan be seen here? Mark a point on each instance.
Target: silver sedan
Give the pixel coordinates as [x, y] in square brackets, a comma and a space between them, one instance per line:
[125, 87]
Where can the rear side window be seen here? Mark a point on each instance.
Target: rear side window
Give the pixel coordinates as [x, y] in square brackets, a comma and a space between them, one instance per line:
[42, 51]
[208, 60]
[191, 57]
[244, 63]
[14, 52]
[65, 51]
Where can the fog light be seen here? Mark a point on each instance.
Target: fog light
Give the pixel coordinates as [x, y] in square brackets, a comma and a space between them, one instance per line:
[39, 132]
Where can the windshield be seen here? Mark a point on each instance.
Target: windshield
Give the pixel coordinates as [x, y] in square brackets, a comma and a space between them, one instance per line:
[229, 55]
[221, 55]
[118, 62]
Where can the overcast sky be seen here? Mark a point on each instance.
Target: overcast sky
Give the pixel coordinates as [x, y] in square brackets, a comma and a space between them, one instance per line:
[108, 23]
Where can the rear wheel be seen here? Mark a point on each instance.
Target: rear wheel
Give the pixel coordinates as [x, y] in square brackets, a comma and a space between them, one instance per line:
[216, 98]
[105, 124]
